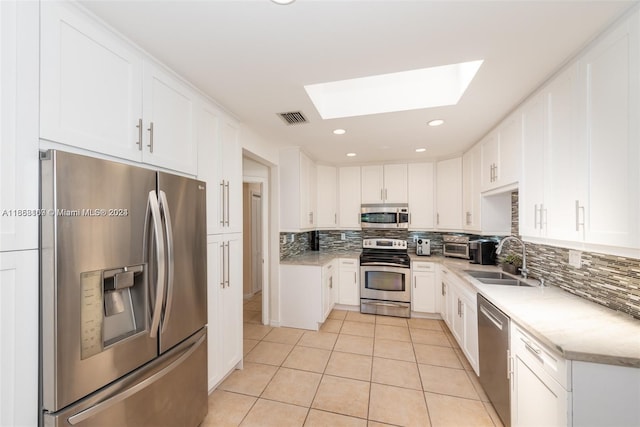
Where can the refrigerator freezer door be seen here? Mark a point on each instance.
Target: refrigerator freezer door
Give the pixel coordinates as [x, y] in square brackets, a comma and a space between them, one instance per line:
[183, 207]
[92, 252]
[170, 391]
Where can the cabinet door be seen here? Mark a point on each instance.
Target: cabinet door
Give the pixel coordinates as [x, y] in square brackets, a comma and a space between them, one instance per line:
[471, 195]
[209, 165]
[446, 298]
[19, 166]
[224, 300]
[328, 284]
[349, 284]
[421, 195]
[470, 343]
[372, 184]
[611, 71]
[349, 196]
[537, 399]
[327, 205]
[564, 160]
[19, 344]
[395, 183]
[169, 121]
[510, 150]
[531, 195]
[424, 292]
[490, 148]
[231, 178]
[90, 85]
[449, 194]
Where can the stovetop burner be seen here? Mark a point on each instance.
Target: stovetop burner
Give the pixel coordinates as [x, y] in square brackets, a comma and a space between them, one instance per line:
[389, 252]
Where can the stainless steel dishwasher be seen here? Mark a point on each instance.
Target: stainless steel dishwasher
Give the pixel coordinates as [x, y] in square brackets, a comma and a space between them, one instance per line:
[493, 343]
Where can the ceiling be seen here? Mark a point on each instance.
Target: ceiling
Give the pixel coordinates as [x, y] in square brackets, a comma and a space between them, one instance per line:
[254, 57]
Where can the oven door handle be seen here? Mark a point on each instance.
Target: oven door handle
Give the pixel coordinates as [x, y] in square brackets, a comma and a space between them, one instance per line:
[382, 264]
[385, 304]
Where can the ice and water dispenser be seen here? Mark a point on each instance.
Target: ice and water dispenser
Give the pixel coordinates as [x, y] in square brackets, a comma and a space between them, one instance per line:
[114, 306]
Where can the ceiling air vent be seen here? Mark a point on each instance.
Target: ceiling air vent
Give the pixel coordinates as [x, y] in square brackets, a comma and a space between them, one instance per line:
[293, 117]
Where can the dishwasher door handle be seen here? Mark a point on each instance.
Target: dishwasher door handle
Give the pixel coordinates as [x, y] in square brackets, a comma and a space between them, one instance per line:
[491, 317]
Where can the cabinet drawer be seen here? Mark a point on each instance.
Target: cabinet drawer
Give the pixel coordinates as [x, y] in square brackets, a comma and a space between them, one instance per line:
[423, 266]
[537, 356]
[348, 262]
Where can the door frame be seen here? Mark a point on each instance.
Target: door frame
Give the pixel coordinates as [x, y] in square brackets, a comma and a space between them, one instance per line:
[265, 242]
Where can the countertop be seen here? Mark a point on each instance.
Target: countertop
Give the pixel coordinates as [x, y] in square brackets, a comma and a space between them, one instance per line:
[572, 327]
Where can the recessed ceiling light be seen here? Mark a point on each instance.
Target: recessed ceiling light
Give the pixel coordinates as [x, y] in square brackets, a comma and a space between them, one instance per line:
[283, 2]
[436, 122]
[420, 150]
[339, 131]
[351, 154]
[402, 91]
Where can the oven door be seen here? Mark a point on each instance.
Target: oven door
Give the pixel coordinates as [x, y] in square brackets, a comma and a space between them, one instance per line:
[385, 283]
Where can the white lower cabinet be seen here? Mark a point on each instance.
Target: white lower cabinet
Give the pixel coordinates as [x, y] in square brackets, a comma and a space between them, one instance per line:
[224, 298]
[460, 314]
[19, 343]
[349, 288]
[548, 390]
[423, 294]
[539, 378]
[307, 294]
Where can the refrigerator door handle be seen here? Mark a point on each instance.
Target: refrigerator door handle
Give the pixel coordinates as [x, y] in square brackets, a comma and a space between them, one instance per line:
[160, 280]
[164, 209]
[88, 413]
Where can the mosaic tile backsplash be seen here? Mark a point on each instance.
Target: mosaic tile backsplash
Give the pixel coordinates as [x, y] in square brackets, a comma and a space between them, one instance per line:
[609, 280]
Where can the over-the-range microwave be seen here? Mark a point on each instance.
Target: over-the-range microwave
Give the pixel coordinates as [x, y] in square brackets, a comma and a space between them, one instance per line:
[390, 215]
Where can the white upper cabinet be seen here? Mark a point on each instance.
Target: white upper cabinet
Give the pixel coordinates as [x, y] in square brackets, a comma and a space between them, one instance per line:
[93, 89]
[349, 197]
[421, 195]
[581, 157]
[384, 183]
[449, 194]
[297, 190]
[169, 121]
[327, 208]
[90, 83]
[501, 155]
[18, 125]
[220, 166]
[610, 75]
[471, 193]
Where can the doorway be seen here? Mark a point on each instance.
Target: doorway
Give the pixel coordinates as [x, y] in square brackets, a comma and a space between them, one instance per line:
[253, 252]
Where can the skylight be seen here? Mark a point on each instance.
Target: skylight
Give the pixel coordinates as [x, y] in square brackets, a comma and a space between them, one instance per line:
[385, 93]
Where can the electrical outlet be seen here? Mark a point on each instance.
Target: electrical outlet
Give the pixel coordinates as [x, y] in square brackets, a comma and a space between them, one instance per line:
[292, 238]
[575, 259]
[415, 239]
[284, 239]
[343, 236]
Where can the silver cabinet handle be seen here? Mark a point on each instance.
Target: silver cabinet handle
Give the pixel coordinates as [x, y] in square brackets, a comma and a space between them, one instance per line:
[578, 208]
[535, 217]
[154, 209]
[222, 203]
[443, 289]
[385, 194]
[222, 265]
[437, 219]
[150, 145]
[227, 267]
[226, 187]
[164, 210]
[139, 126]
[355, 277]
[537, 353]
[382, 194]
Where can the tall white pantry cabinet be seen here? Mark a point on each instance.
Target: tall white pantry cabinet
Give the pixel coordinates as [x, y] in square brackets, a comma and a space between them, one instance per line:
[18, 231]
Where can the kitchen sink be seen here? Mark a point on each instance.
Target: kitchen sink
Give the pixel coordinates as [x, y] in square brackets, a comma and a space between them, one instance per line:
[496, 278]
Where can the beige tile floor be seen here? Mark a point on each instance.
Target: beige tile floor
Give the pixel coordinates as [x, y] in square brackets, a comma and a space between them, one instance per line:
[358, 370]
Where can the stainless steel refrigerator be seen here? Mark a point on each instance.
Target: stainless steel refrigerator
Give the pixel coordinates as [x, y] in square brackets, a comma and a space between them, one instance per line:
[123, 295]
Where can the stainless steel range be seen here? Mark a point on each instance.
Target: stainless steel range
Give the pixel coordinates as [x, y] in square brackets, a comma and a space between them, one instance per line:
[385, 284]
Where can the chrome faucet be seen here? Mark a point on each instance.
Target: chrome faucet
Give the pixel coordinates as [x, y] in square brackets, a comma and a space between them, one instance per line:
[523, 270]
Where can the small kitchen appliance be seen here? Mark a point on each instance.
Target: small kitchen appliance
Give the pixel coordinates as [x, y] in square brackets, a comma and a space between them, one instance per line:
[423, 247]
[455, 246]
[482, 251]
